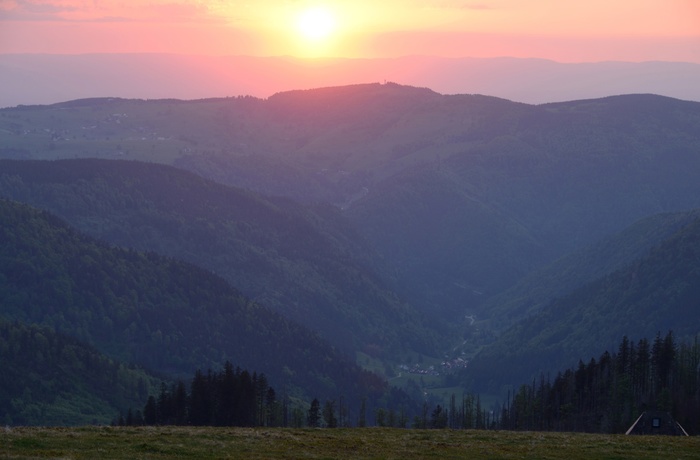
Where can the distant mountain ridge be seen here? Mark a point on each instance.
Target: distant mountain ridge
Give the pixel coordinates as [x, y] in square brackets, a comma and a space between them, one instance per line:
[43, 78]
[461, 195]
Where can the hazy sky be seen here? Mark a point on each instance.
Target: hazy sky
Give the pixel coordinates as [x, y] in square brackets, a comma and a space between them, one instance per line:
[569, 31]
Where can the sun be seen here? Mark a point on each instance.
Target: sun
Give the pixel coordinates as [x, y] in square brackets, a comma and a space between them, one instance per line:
[316, 24]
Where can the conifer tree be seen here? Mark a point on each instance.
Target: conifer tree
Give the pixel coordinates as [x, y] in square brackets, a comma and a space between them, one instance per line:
[329, 414]
[313, 417]
[362, 421]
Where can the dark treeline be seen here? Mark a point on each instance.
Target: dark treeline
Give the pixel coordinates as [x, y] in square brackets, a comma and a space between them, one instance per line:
[231, 397]
[601, 396]
[235, 397]
[468, 413]
[607, 395]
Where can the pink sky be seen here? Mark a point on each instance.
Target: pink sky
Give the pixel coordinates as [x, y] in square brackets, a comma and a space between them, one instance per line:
[567, 31]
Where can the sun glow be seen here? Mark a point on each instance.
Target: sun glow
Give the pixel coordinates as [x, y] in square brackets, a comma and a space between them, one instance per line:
[316, 24]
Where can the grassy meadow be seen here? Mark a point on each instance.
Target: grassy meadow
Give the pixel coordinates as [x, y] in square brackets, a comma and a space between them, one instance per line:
[357, 443]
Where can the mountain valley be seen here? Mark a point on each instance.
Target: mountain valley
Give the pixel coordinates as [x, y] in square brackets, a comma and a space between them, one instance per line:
[400, 225]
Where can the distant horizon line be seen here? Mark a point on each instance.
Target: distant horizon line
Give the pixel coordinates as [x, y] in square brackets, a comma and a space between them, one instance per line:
[367, 83]
[48, 78]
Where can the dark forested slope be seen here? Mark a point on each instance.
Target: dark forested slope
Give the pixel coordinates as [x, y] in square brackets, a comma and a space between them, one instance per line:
[558, 279]
[657, 293]
[303, 262]
[144, 308]
[52, 379]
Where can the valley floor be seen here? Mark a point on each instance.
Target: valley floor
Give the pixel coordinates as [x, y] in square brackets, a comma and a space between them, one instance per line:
[356, 443]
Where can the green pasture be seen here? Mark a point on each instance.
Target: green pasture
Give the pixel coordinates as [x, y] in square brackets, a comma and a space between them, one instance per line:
[356, 443]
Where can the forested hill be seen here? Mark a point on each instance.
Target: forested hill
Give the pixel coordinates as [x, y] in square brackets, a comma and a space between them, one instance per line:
[652, 295]
[49, 378]
[304, 262]
[514, 187]
[535, 291]
[167, 315]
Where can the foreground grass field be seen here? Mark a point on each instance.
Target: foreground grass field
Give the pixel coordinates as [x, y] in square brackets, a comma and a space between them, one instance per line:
[375, 443]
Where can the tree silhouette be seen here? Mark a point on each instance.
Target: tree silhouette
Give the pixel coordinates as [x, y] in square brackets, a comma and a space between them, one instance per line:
[313, 417]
